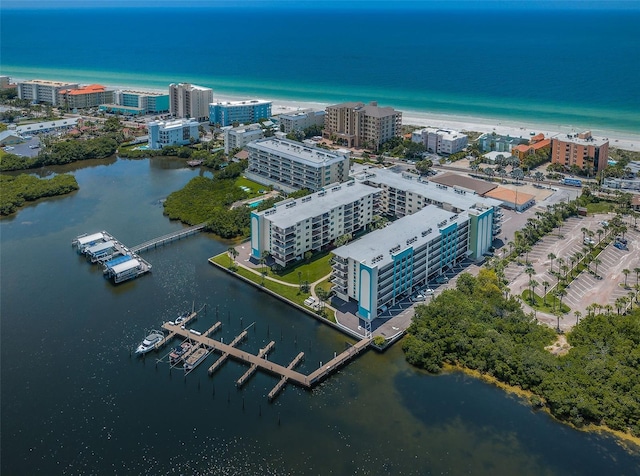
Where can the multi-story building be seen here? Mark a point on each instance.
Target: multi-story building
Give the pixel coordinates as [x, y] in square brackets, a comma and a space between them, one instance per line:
[582, 150]
[293, 227]
[177, 132]
[238, 137]
[241, 112]
[41, 91]
[498, 143]
[357, 125]
[87, 96]
[190, 101]
[300, 120]
[406, 194]
[145, 102]
[288, 165]
[388, 265]
[440, 141]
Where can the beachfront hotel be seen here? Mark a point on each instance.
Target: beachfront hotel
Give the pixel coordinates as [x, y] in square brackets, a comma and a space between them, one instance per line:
[312, 223]
[300, 120]
[190, 101]
[238, 137]
[41, 91]
[440, 141]
[356, 125]
[137, 103]
[289, 166]
[582, 150]
[177, 132]
[87, 96]
[388, 265]
[406, 194]
[241, 112]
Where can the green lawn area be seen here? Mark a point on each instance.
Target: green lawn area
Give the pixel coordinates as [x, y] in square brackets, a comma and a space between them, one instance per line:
[311, 272]
[254, 186]
[600, 207]
[326, 285]
[540, 303]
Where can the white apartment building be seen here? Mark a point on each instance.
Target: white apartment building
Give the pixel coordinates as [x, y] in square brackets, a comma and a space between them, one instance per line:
[190, 101]
[288, 165]
[177, 132]
[357, 125]
[300, 120]
[406, 194]
[440, 141]
[42, 91]
[388, 265]
[238, 137]
[293, 227]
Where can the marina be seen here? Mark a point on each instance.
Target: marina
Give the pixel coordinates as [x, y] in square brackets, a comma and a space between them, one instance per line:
[200, 346]
[119, 262]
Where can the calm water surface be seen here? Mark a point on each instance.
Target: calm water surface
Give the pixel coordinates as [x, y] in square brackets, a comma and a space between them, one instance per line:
[75, 402]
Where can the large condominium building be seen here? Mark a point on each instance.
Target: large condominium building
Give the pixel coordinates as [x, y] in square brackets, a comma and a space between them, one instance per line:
[300, 120]
[242, 112]
[289, 165]
[238, 137]
[87, 96]
[40, 91]
[388, 265]
[582, 150]
[406, 194]
[190, 101]
[440, 141]
[177, 132]
[291, 228]
[357, 125]
[146, 102]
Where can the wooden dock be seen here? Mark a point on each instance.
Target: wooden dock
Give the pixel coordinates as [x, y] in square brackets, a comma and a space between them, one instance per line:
[259, 362]
[262, 355]
[162, 240]
[283, 381]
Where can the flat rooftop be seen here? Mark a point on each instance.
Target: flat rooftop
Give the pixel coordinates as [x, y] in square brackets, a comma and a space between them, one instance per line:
[296, 151]
[480, 187]
[378, 247]
[175, 124]
[248, 102]
[413, 183]
[45, 82]
[288, 213]
[584, 138]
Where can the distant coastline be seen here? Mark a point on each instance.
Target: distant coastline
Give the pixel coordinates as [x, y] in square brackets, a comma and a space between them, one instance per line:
[507, 125]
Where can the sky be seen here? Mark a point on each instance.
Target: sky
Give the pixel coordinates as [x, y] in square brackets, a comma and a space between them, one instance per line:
[348, 4]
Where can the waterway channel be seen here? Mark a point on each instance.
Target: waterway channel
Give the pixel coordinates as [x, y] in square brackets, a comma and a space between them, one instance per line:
[74, 401]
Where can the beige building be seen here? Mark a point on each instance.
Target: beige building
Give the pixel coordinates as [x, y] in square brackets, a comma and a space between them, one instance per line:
[190, 101]
[356, 125]
[582, 150]
[41, 91]
[88, 96]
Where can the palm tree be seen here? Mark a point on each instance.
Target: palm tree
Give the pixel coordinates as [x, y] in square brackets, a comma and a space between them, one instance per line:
[637, 271]
[560, 293]
[600, 231]
[233, 254]
[545, 285]
[584, 232]
[619, 304]
[630, 296]
[551, 257]
[578, 315]
[596, 261]
[626, 272]
[591, 309]
[558, 316]
[608, 309]
[564, 269]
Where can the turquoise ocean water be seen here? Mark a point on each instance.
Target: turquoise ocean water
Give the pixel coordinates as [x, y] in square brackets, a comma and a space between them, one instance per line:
[559, 67]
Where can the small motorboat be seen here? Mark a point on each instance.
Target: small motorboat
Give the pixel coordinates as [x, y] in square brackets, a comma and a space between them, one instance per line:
[150, 342]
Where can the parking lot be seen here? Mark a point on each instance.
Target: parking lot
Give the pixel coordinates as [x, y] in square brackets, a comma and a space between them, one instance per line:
[29, 148]
[586, 288]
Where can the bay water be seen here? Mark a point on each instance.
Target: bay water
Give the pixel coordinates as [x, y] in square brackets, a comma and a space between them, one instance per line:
[74, 400]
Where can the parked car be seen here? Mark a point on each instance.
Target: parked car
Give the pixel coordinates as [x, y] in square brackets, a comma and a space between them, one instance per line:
[620, 246]
[589, 241]
[418, 298]
[621, 240]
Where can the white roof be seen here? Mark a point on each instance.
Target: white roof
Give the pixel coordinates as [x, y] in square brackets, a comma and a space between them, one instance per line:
[90, 238]
[127, 265]
[100, 247]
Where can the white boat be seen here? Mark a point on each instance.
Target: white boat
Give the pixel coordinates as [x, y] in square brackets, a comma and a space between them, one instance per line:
[195, 359]
[149, 342]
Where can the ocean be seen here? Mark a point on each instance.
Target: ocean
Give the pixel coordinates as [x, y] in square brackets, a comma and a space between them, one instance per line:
[560, 67]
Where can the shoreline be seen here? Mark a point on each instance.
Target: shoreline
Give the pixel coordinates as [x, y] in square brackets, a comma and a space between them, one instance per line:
[423, 118]
[622, 437]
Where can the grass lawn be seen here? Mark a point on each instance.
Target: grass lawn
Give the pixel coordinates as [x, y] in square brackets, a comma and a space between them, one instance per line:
[311, 272]
[254, 186]
[540, 303]
[600, 207]
[326, 285]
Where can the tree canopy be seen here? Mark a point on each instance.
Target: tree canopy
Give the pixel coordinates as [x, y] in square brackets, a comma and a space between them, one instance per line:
[15, 191]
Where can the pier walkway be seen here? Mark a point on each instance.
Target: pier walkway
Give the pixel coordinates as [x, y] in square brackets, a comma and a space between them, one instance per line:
[260, 362]
[162, 240]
